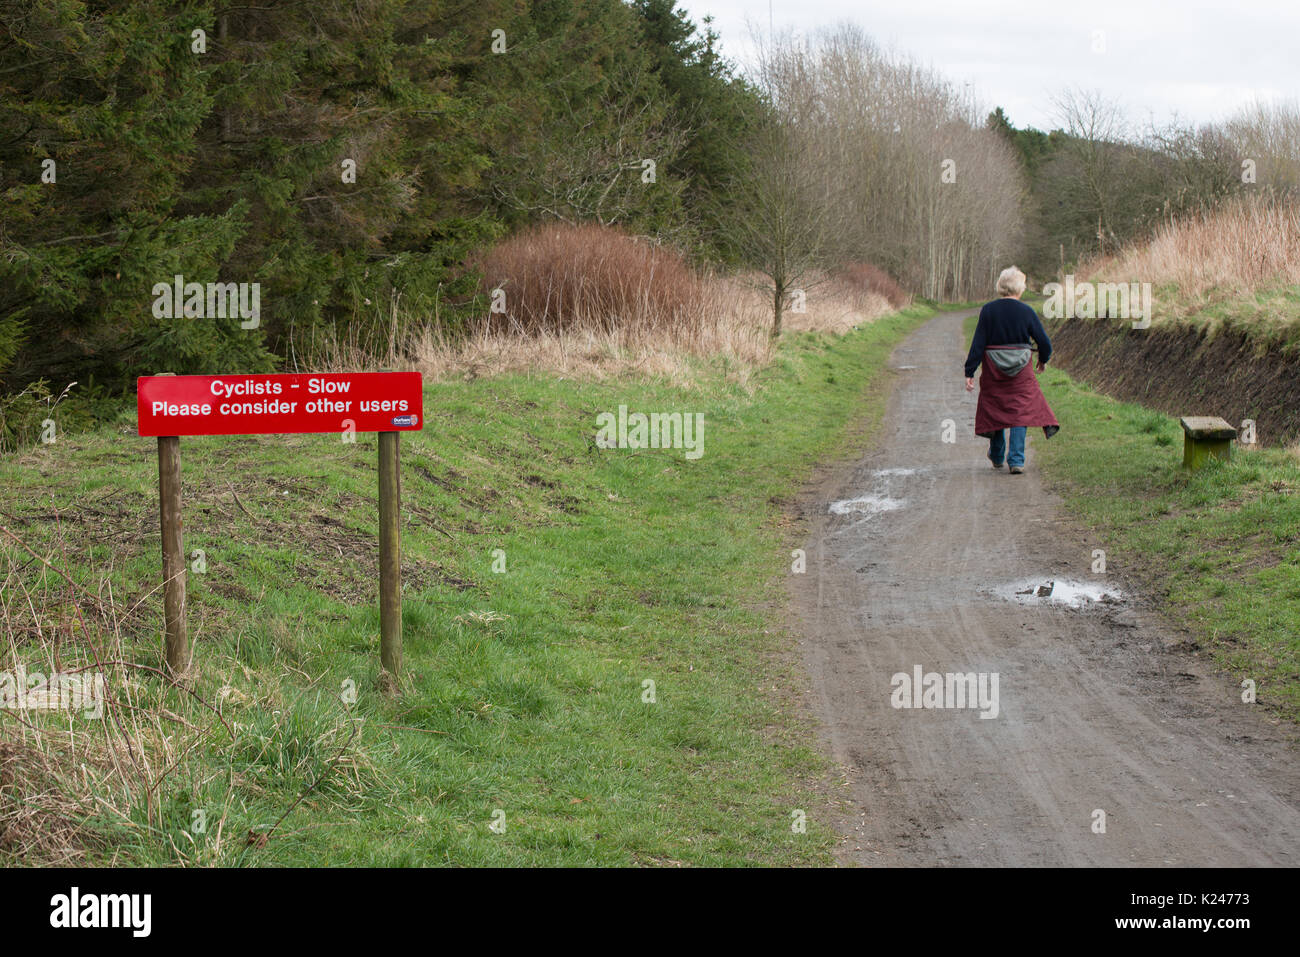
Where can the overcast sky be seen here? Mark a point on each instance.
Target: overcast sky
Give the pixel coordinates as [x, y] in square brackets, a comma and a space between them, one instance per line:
[1197, 59]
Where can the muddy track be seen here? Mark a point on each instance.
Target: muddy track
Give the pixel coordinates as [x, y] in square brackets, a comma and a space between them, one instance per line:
[916, 556]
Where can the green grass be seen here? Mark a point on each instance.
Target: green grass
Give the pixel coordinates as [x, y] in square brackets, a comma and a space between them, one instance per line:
[523, 690]
[1269, 317]
[1218, 548]
[952, 306]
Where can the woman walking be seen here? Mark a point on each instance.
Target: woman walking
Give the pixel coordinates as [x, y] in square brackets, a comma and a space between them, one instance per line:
[1010, 399]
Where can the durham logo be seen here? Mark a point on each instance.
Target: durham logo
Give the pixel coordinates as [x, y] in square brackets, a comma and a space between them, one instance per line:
[658, 430]
[214, 300]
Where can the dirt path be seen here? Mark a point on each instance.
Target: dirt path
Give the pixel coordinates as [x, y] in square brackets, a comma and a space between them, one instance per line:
[1097, 706]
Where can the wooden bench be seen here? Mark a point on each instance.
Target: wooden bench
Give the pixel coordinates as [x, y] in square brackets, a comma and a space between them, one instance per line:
[1206, 437]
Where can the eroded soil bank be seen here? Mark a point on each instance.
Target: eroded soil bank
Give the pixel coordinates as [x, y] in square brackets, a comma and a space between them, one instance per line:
[1182, 372]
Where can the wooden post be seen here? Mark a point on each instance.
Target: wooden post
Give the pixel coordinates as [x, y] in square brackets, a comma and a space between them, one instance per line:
[1206, 437]
[390, 555]
[169, 497]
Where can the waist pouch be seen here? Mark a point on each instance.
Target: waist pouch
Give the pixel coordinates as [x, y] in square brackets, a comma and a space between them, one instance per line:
[1009, 360]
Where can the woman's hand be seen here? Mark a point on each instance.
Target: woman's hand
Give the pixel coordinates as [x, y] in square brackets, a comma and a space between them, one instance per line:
[970, 385]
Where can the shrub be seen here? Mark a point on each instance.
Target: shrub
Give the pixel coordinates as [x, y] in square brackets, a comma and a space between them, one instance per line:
[588, 278]
[79, 407]
[868, 278]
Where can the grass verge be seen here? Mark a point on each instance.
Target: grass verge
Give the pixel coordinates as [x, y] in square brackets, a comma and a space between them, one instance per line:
[547, 581]
[1219, 548]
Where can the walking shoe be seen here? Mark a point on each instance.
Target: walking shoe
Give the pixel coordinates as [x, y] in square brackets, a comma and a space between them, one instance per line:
[1017, 469]
[996, 465]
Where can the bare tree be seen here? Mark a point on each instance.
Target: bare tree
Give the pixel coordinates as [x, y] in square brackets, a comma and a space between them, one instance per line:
[869, 157]
[784, 213]
[922, 189]
[1269, 135]
[1096, 133]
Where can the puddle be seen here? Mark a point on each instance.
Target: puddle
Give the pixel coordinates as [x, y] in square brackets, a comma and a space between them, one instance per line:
[866, 504]
[1072, 594]
[873, 503]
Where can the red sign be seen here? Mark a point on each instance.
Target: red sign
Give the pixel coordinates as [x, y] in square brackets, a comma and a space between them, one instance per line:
[279, 404]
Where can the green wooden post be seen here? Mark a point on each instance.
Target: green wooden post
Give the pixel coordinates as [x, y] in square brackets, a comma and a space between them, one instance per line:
[1206, 437]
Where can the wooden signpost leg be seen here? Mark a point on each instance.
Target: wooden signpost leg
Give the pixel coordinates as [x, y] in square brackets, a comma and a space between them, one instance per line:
[390, 555]
[169, 492]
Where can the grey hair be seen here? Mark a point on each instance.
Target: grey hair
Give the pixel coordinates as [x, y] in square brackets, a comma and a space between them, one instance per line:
[1011, 282]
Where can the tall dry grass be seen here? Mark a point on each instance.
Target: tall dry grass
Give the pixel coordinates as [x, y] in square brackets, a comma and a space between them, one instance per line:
[593, 302]
[1241, 248]
[870, 279]
[60, 771]
[730, 330]
[77, 788]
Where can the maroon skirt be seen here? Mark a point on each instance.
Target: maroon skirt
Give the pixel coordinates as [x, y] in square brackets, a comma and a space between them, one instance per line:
[1009, 401]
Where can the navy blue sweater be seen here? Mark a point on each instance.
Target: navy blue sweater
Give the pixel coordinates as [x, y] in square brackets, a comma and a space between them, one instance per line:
[1005, 322]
